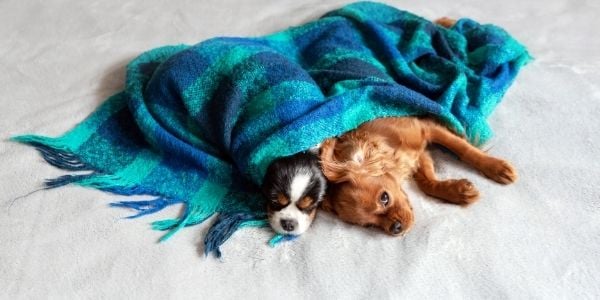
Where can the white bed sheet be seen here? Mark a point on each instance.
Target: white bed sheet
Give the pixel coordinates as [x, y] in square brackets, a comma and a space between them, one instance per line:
[538, 238]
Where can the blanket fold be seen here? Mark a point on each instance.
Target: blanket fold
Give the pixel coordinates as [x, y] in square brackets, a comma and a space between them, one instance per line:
[199, 124]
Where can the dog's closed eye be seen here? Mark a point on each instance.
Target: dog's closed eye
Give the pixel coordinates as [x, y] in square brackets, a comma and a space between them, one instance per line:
[307, 204]
[280, 200]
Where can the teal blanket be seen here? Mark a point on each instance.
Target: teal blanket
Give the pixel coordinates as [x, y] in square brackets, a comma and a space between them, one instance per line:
[199, 125]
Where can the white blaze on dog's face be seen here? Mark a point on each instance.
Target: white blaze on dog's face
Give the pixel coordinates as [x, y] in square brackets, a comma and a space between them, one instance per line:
[294, 186]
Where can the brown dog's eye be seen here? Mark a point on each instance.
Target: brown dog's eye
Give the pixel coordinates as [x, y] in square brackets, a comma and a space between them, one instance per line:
[384, 198]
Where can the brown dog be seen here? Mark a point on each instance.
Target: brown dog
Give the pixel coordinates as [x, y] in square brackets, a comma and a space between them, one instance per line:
[365, 168]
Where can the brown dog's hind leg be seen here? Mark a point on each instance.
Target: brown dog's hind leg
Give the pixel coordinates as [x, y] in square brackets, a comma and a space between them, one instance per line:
[496, 169]
[461, 191]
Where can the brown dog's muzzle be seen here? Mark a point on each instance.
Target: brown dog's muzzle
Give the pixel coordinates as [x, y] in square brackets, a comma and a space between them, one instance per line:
[395, 228]
[397, 221]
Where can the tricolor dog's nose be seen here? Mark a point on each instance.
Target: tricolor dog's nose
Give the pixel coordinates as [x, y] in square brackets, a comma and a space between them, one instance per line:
[288, 225]
[396, 227]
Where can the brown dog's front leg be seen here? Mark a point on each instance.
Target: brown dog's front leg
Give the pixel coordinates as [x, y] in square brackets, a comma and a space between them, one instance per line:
[460, 191]
[496, 169]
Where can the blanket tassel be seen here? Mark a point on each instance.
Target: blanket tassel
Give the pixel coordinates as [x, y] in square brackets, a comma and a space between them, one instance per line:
[145, 207]
[226, 225]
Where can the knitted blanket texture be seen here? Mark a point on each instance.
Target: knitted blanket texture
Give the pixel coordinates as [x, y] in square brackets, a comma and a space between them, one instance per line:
[199, 125]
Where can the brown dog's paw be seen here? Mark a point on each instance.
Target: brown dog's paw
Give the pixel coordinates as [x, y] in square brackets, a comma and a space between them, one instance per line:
[446, 22]
[460, 191]
[500, 171]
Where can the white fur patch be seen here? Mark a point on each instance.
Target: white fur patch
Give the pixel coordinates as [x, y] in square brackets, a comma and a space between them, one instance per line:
[298, 186]
[290, 212]
[358, 156]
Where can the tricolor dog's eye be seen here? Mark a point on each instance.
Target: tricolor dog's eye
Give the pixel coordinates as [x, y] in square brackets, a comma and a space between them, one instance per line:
[280, 200]
[305, 203]
[384, 199]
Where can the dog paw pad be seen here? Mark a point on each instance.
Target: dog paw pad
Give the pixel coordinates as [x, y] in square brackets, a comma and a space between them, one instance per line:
[501, 171]
[460, 191]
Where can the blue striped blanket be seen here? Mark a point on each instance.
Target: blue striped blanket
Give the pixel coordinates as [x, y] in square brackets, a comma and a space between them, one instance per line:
[198, 125]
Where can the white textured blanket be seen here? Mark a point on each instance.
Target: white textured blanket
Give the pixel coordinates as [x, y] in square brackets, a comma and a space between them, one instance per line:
[539, 238]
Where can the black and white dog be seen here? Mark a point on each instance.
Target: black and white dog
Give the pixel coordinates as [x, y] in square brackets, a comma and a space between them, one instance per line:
[294, 186]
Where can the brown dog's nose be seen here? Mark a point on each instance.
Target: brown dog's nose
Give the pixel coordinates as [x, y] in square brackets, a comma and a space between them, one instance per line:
[396, 228]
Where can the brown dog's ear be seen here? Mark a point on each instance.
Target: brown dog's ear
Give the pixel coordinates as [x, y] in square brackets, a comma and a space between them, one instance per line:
[340, 171]
[327, 206]
[332, 169]
[326, 151]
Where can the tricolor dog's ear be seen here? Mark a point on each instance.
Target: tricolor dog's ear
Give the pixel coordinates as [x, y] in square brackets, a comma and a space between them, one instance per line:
[327, 206]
